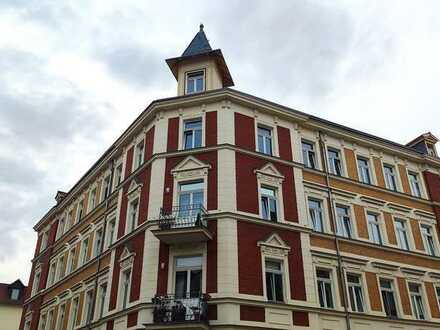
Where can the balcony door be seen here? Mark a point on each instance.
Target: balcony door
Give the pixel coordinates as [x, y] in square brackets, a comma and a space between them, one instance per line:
[190, 202]
[188, 277]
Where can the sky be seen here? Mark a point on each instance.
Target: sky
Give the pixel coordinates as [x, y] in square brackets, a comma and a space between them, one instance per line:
[74, 74]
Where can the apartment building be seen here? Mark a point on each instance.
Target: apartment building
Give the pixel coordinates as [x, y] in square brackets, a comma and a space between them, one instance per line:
[11, 300]
[217, 209]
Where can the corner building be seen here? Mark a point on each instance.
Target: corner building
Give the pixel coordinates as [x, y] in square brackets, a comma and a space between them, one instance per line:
[217, 209]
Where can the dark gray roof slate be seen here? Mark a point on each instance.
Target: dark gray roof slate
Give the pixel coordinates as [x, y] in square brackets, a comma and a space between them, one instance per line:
[198, 45]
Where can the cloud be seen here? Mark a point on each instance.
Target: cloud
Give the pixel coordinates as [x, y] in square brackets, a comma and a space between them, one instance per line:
[75, 74]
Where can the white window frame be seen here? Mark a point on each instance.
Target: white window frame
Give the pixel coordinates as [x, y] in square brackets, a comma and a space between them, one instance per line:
[306, 161]
[51, 278]
[132, 199]
[44, 240]
[97, 248]
[362, 287]
[360, 169]
[73, 317]
[60, 271]
[332, 286]
[271, 136]
[43, 321]
[434, 239]
[110, 237]
[341, 159]
[199, 118]
[106, 189]
[69, 220]
[274, 131]
[121, 288]
[418, 180]
[101, 304]
[61, 227]
[78, 216]
[61, 320]
[118, 165]
[320, 211]
[35, 282]
[379, 222]
[83, 258]
[187, 78]
[84, 319]
[138, 160]
[394, 175]
[350, 215]
[394, 290]
[269, 177]
[422, 300]
[407, 230]
[71, 259]
[93, 198]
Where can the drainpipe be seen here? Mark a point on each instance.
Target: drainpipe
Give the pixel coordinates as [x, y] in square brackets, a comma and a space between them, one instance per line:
[101, 249]
[333, 222]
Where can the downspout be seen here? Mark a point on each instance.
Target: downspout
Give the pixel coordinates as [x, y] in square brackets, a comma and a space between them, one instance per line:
[333, 223]
[101, 249]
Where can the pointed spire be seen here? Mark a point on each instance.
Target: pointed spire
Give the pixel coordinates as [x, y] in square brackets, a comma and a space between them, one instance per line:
[198, 45]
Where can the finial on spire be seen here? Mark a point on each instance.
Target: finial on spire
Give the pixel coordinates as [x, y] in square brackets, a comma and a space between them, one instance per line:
[201, 27]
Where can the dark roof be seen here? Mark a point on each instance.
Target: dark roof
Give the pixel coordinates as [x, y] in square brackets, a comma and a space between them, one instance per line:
[5, 293]
[198, 45]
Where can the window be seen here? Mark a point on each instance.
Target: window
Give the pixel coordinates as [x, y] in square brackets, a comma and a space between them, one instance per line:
[79, 211]
[343, 221]
[428, 239]
[390, 177]
[389, 301]
[44, 240]
[101, 299]
[355, 293]
[27, 325]
[315, 212]
[139, 155]
[74, 313]
[269, 203]
[92, 199]
[15, 294]
[69, 219]
[36, 282]
[416, 301]
[374, 228]
[111, 231]
[118, 175]
[50, 319]
[88, 306]
[43, 322]
[60, 268]
[364, 170]
[415, 184]
[334, 160]
[132, 215]
[98, 242]
[308, 151]
[188, 277]
[190, 201]
[437, 291]
[274, 281]
[431, 151]
[84, 247]
[402, 234]
[61, 317]
[264, 140]
[192, 134]
[125, 287]
[61, 225]
[106, 187]
[195, 82]
[52, 272]
[71, 260]
[324, 283]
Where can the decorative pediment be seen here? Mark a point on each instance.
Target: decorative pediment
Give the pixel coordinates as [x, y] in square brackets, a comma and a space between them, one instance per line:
[127, 257]
[270, 174]
[274, 245]
[135, 186]
[190, 167]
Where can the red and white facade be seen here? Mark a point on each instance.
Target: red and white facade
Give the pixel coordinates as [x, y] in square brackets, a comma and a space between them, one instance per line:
[201, 216]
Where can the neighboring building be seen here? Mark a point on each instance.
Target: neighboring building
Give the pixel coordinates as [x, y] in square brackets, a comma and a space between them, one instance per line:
[11, 300]
[217, 209]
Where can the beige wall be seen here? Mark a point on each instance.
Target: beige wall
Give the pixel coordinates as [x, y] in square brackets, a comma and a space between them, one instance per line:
[10, 317]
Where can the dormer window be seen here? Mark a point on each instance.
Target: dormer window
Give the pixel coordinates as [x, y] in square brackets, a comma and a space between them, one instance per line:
[195, 82]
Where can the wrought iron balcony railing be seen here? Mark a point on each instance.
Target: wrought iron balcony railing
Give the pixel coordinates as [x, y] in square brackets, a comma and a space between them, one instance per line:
[173, 309]
[183, 216]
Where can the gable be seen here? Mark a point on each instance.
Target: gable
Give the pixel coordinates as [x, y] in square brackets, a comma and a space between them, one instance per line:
[190, 163]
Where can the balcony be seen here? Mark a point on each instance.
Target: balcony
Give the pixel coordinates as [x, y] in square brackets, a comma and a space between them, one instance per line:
[183, 312]
[183, 224]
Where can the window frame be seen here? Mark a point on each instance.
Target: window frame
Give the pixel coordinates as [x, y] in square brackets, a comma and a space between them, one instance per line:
[83, 258]
[101, 299]
[406, 230]
[394, 292]
[97, 249]
[188, 270]
[420, 295]
[378, 222]
[138, 153]
[320, 210]
[187, 74]
[361, 286]
[270, 136]
[418, 181]
[193, 119]
[35, 282]
[330, 282]
[106, 189]
[360, 169]
[349, 215]
[130, 223]
[435, 249]
[314, 153]
[93, 198]
[280, 272]
[393, 175]
[110, 237]
[332, 168]
[73, 322]
[121, 292]
[71, 259]
[61, 317]
[275, 198]
[85, 319]
[118, 174]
